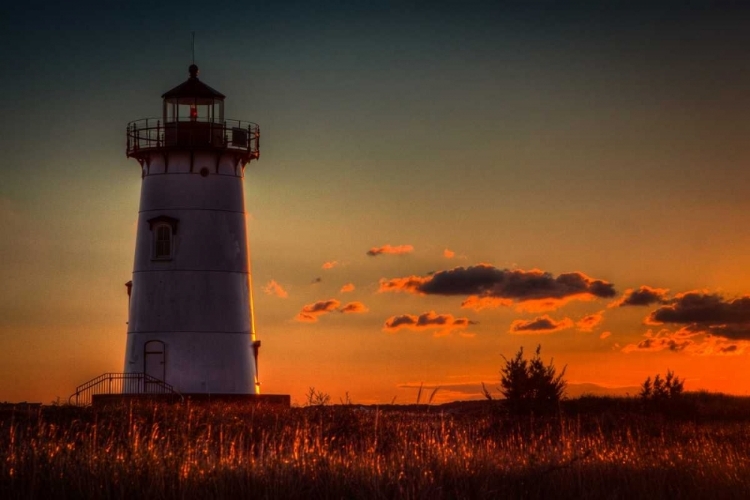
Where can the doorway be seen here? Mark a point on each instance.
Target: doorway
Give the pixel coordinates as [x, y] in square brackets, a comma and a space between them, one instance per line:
[154, 365]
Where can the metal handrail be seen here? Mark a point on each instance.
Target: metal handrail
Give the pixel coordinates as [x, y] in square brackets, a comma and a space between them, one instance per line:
[149, 134]
[120, 383]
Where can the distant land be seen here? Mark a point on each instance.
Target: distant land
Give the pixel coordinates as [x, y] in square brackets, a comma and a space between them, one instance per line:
[578, 390]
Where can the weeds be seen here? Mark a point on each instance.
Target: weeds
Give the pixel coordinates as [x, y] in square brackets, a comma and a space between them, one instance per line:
[607, 449]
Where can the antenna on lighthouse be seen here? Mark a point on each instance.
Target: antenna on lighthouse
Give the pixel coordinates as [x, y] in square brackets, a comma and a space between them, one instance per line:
[193, 47]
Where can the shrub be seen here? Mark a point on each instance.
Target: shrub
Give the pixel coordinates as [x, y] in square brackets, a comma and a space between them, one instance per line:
[317, 398]
[670, 387]
[531, 383]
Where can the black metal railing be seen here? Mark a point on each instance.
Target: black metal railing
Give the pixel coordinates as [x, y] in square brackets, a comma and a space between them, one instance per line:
[119, 383]
[150, 134]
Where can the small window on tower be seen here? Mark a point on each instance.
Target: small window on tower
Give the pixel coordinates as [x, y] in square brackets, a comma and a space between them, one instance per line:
[163, 248]
[163, 230]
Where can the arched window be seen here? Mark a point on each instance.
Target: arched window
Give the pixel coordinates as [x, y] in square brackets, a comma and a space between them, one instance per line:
[163, 229]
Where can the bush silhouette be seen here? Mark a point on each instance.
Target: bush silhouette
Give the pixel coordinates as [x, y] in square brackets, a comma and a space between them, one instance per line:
[670, 387]
[530, 384]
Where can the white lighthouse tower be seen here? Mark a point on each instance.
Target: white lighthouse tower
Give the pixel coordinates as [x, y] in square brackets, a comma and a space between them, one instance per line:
[191, 318]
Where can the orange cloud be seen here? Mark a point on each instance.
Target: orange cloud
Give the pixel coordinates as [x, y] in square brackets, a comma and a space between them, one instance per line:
[449, 254]
[311, 312]
[408, 284]
[330, 265]
[542, 324]
[479, 303]
[604, 335]
[349, 287]
[273, 288]
[588, 323]
[689, 342]
[551, 304]
[354, 307]
[444, 324]
[388, 249]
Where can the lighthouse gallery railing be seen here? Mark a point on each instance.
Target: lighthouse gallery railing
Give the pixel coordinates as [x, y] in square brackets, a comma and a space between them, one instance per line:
[150, 134]
[119, 383]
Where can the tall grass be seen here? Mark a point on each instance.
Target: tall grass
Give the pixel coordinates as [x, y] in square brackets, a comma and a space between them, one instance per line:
[227, 451]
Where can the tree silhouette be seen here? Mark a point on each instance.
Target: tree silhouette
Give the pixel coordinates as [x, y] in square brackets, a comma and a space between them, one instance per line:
[530, 383]
[661, 389]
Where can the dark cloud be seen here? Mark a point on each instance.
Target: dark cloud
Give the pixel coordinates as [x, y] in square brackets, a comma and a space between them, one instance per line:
[316, 280]
[701, 312]
[542, 324]
[354, 307]
[310, 312]
[664, 343]
[667, 340]
[425, 321]
[488, 286]
[643, 296]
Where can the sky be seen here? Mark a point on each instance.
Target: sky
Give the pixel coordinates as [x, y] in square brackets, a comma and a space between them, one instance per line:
[440, 184]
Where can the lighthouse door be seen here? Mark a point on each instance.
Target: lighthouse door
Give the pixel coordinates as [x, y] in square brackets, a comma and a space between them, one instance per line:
[153, 362]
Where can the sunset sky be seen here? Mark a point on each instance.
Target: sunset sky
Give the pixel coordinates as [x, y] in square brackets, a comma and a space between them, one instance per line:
[440, 183]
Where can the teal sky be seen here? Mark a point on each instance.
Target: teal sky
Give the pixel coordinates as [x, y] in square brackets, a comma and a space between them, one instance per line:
[601, 138]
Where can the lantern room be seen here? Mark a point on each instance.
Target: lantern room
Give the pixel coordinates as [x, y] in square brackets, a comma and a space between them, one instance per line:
[193, 119]
[193, 101]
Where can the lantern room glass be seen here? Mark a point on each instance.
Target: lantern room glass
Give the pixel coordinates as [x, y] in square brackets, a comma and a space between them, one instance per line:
[199, 109]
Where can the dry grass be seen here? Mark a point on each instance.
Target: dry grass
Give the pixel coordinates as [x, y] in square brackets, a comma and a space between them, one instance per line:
[596, 449]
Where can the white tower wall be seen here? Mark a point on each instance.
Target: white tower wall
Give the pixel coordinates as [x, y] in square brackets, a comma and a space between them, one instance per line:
[198, 301]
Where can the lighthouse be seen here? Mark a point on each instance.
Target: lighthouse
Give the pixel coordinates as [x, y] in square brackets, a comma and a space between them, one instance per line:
[190, 320]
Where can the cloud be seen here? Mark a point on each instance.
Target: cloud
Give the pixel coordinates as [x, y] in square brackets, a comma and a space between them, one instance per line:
[388, 249]
[604, 335]
[330, 264]
[542, 324]
[273, 288]
[408, 284]
[535, 290]
[316, 280]
[349, 287]
[643, 296]
[310, 312]
[449, 254]
[707, 313]
[354, 307]
[479, 303]
[550, 304]
[588, 323]
[444, 324]
[689, 342]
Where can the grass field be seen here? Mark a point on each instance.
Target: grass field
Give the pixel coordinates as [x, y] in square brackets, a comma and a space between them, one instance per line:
[698, 447]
